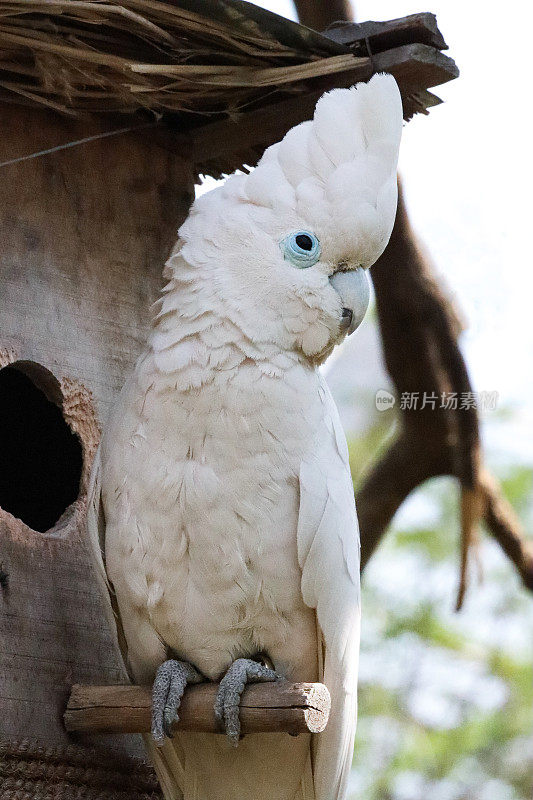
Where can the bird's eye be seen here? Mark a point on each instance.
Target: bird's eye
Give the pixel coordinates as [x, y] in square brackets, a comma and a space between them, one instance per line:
[301, 248]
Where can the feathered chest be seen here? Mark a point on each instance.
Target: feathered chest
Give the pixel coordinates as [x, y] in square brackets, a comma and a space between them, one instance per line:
[242, 419]
[203, 492]
[216, 467]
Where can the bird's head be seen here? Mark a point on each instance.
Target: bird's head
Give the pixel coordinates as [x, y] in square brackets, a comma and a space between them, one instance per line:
[284, 251]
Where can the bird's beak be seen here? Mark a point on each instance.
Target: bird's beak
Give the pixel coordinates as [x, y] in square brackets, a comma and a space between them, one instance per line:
[354, 291]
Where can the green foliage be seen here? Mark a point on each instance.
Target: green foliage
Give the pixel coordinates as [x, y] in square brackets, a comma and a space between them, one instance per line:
[517, 485]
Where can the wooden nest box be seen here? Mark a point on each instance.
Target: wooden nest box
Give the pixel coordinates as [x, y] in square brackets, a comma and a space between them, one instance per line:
[153, 94]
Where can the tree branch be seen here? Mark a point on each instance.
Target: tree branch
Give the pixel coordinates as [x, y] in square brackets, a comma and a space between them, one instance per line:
[402, 469]
[319, 15]
[504, 525]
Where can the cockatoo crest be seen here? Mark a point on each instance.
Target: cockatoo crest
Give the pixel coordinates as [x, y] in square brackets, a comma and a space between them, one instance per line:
[337, 172]
[334, 178]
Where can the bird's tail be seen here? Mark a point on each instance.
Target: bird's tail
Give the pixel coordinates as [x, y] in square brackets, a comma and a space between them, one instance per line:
[205, 767]
[168, 766]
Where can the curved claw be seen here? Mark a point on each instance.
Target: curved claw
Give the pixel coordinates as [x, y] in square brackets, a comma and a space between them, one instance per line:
[170, 682]
[241, 672]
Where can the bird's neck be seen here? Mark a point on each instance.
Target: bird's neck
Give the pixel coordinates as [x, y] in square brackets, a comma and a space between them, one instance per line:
[194, 337]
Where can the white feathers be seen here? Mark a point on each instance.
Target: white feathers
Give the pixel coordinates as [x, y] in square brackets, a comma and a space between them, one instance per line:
[226, 510]
[292, 154]
[340, 169]
[338, 124]
[328, 554]
[259, 186]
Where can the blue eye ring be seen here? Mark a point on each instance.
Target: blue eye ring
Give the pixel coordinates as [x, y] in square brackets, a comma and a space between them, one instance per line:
[301, 248]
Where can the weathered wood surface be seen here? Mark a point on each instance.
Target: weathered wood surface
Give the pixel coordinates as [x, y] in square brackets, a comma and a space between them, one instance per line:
[265, 708]
[379, 36]
[83, 236]
[416, 67]
[84, 233]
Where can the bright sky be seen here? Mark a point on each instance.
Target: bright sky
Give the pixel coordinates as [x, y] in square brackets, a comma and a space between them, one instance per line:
[468, 177]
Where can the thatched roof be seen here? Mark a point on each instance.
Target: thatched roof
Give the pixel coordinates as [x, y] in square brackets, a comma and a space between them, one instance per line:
[203, 64]
[205, 57]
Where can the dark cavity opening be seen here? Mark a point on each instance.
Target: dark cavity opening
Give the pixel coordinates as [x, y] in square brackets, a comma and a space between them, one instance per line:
[41, 459]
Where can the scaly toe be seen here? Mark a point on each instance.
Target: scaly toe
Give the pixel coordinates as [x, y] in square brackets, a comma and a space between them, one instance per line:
[241, 672]
[170, 682]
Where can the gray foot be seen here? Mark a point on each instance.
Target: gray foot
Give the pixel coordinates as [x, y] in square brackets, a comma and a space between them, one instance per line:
[170, 681]
[241, 672]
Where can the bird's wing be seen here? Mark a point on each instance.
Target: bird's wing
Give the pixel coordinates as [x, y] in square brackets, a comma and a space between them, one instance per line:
[165, 759]
[96, 545]
[329, 556]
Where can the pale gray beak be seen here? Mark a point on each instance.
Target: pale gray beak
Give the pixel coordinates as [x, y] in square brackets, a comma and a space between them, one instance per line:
[354, 290]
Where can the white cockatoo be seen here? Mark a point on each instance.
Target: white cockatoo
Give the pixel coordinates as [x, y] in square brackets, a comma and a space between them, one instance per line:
[222, 513]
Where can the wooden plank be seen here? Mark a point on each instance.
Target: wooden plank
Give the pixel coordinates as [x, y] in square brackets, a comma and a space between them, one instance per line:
[419, 103]
[415, 28]
[265, 708]
[416, 67]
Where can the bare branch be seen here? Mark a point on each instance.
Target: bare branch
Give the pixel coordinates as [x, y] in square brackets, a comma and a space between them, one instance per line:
[319, 15]
[501, 520]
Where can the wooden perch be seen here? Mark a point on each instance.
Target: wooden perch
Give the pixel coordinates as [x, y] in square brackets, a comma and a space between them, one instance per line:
[265, 708]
